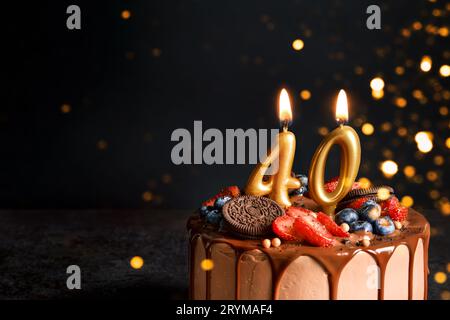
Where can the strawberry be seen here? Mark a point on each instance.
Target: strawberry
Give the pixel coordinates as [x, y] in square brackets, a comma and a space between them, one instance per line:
[331, 226]
[284, 228]
[311, 230]
[331, 185]
[357, 203]
[399, 214]
[296, 212]
[231, 191]
[389, 205]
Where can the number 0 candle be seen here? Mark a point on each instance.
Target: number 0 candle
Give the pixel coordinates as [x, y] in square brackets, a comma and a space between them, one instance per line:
[278, 184]
[348, 141]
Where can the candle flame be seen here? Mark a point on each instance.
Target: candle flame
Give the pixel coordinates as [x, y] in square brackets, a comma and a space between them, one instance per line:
[342, 107]
[284, 107]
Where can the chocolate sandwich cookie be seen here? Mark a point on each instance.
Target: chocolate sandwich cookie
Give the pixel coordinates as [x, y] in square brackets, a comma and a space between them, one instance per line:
[370, 193]
[251, 216]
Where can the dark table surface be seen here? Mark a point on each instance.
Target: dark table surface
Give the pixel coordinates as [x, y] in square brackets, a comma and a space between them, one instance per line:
[36, 247]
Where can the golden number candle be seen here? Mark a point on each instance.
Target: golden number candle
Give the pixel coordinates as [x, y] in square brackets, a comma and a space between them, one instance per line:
[278, 184]
[348, 141]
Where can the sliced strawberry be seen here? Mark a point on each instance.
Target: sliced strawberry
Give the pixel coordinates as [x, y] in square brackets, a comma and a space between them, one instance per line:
[331, 185]
[399, 214]
[390, 205]
[284, 228]
[296, 212]
[313, 231]
[331, 226]
[357, 203]
[231, 191]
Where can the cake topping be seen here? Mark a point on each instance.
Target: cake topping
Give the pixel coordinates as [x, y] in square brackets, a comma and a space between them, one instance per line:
[251, 216]
[284, 228]
[313, 231]
[331, 226]
[231, 191]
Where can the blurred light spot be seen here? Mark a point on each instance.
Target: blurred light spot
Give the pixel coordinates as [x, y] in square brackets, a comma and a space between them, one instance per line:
[426, 63]
[436, 12]
[444, 70]
[65, 108]
[147, 196]
[447, 142]
[136, 262]
[305, 94]
[383, 194]
[102, 144]
[207, 264]
[386, 126]
[443, 31]
[407, 201]
[406, 33]
[359, 70]
[388, 153]
[389, 168]
[377, 84]
[424, 141]
[417, 25]
[445, 295]
[402, 131]
[418, 94]
[425, 146]
[400, 102]
[400, 70]
[448, 267]
[443, 111]
[166, 178]
[298, 44]
[409, 171]
[432, 176]
[434, 194]
[364, 182]
[439, 160]
[156, 52]
[126, 14]
[440, 277]
[323, 131]
[377, 94]
[445, 208]
[367, 129]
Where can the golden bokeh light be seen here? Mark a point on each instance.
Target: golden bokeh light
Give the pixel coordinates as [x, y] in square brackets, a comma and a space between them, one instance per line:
[389, 168]
[126, 14]
[438, 160]
[402, 131]
[323, 131]
[305, 94]
[443, 31]
[298, 44]
[417, 25]
[447, 142]
[426, 63]
[400, 70]
[377, 84]
[66, 108]
[207, 264]
[407, 201]
[102, 145]
[147, 196]
[137, 262]
[443, 111]
[434, 194]
[445, 295]
[383, 194]
[400, 102]
[367, 129]
[432, 176]
[445, 208]
[444, 70]
[409, 171]
[364, 183]
[377, 94]
[440, 277]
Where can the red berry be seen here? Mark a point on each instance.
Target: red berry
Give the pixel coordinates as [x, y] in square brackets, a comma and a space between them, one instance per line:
[389, 205]
[311, 230]
[331, 185]
[356, 204]
[399, 214]
[296, 212]
[331, 226]
[284, 228]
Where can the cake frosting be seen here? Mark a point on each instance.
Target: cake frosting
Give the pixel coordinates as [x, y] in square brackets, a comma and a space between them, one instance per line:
[391, 267]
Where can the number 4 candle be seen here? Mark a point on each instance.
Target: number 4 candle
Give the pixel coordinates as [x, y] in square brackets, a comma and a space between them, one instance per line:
[277, 186]
[348, 141]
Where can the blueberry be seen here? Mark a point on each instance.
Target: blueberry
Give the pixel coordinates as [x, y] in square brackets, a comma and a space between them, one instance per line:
[214, 217]
[220, 202]
[298, 192]
[370, 211]
[204, 210]
[361, 226]
[303, 179]
[384, 226]
[347, 216]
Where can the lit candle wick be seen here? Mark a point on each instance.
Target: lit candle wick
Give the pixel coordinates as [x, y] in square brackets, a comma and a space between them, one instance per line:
[342, 108]
[284, 110]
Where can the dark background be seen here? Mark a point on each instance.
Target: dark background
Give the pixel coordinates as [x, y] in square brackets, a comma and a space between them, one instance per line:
[130, 82]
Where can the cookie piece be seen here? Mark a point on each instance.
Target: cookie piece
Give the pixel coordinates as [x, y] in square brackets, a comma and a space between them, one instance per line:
[251, 216]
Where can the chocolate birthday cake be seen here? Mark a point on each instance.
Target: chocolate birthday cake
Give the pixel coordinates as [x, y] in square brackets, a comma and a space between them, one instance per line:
[249, 247]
